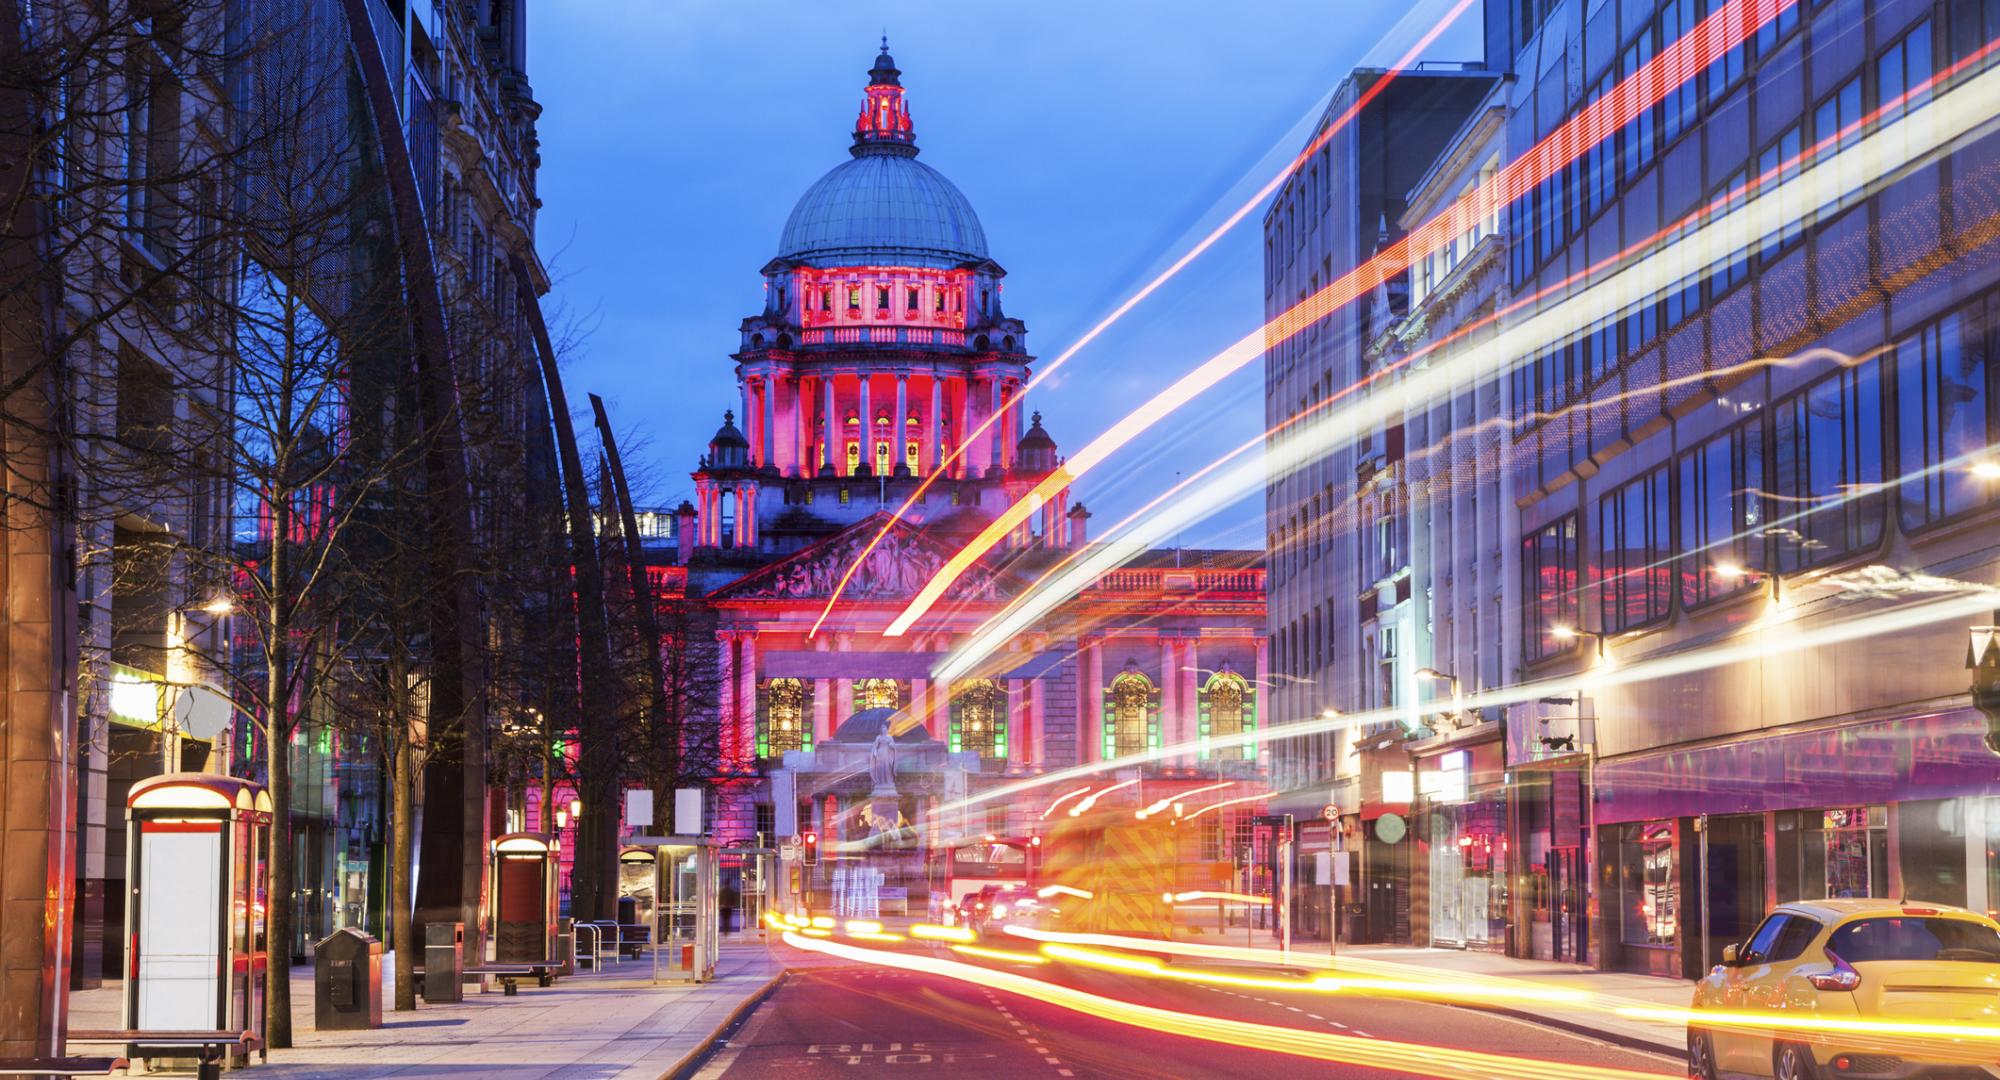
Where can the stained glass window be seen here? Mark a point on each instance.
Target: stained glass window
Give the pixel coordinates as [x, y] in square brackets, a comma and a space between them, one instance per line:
[877, 694]
[785, 717]
[1228, 709]
[979, 718]
[1131, 723]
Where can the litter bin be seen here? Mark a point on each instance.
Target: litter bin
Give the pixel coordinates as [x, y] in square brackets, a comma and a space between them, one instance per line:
[566, 946]
[444, 946]
[347, 982]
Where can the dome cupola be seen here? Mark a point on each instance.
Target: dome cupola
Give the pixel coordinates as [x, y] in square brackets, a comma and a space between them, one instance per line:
[729, 449]
[1036, 452]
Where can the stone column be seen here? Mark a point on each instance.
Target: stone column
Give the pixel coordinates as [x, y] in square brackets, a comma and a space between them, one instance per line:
[937, 424]
[822, 710]
[1090, 702]
[1263, 699]
[746, 695]
[843, 700]
[1192, 678]
[802, 463]
[920, 705]
[1170, 686]
[1017, 723]
[997, 433]
[867, 421]
[734, 755]
[897, 440]
[1031, 753]
[767, 428]
[830, 430]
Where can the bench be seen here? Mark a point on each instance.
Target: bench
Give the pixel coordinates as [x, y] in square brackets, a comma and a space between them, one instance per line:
[509, 974]
[209, 1046]
[65, 1066]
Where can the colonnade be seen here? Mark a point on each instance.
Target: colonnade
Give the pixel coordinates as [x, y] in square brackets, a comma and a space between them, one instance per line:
[798, 421]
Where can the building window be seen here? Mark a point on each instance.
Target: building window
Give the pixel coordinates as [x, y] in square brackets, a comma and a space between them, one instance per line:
[882, 458]
[1635, 576]
[1548, 567]
[784, 719]
[1228, 709]
[1827, 463]
[853, 462]
[1722, 514]
[979, 718]
[1649, 884]
[877, 694]
[1836, 853]
[881, 298]
[1777, 165]
[1944, 419]
[1839, 114]
[911, 449]
[854, 298]
[913, 299]
[1131, 715]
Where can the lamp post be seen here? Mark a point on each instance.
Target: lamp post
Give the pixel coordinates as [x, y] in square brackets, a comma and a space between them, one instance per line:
[1457, 714]
[1566, 632]
[1982, 658]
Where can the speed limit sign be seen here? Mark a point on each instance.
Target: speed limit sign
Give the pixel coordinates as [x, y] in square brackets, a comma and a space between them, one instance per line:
[1331, 813]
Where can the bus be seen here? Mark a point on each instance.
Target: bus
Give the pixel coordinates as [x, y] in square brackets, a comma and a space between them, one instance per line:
[959, 869]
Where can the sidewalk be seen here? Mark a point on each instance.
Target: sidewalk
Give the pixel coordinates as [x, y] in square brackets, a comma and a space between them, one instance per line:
[609, 1026]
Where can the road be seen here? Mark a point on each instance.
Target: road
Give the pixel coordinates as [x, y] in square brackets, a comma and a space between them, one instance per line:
[872, 1021]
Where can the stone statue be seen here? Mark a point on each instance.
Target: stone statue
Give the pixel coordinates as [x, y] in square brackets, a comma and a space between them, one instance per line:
[882, 761]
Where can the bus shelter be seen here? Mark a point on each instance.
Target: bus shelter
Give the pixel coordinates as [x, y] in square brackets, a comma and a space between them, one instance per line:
[196, 851]
[687, 917]
[636, 872]
[525, 869]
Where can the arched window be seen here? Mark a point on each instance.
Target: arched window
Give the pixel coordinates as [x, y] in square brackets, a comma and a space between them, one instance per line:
[1131, 714]
[877, 694]
[979, 718]
[1228, 709]
[784, 717]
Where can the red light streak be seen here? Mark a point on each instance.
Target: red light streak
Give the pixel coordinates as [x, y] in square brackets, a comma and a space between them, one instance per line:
[965, 442]
[1645, 88]
[1061, 799]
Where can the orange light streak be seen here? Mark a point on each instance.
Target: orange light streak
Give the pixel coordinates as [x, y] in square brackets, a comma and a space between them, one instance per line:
[1645, 88]
[1450, 1063]
[1085, 805]
[1225, 802]
[933, 932]
[1409, 57]
[1199, 894]
[1047, 891]
[1172, 799]
[1061, 799]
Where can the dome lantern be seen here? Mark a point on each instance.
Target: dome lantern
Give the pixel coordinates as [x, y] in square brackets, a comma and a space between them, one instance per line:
[884, 124]
[729, 449]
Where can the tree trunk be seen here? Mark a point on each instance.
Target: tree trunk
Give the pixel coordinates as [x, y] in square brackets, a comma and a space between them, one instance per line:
[403, 781]
[278, 897]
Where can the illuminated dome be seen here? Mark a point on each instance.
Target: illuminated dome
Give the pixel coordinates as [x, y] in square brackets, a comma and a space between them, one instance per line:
[884, 207]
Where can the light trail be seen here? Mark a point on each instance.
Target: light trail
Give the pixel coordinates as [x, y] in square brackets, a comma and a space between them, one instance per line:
[1162, 804]
[1768, 640]
[1909, 138]
[1047, 891]
[1061, 799]
[1713, 37]
[1005, 956]
[1226, 802]
[933, 932]
[1198, 894]
[1449, 1063]
[1408, 58]
[1083, 807]
[862, 926]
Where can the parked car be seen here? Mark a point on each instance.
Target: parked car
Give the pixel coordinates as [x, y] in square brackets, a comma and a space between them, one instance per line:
[1862, 959]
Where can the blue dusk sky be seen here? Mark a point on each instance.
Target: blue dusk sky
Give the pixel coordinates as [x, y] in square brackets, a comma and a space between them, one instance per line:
[1097, 141]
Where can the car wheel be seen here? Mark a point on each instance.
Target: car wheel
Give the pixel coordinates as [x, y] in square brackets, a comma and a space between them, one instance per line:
[1794, 1062]
[1701, 1056]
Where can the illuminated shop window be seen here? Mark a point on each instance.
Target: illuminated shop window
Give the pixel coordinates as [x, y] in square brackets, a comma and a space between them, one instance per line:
[979, 718]
[784, 717]
[1228, 709]
[877, 694]
[1131, 714]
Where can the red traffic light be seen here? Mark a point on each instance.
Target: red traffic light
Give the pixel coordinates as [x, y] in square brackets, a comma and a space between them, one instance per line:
[1034, 841]
[812, 838]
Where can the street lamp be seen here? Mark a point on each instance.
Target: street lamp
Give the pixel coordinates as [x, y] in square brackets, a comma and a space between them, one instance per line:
[1731, 571]
[1987, 469]
[1982, 658]
[1457, 714]
[1566, 632]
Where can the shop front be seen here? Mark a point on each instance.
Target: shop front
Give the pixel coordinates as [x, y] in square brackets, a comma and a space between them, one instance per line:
[1699, 844]
[1380, 909]
[1462, 793]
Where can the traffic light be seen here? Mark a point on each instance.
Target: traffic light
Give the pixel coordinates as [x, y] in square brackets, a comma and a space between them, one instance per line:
[812, 848]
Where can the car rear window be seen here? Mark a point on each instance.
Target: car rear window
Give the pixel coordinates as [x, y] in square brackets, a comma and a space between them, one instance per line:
[1908, 937]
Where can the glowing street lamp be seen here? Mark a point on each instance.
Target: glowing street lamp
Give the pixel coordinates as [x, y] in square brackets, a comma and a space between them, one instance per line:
[1566, 633]
[1987, 469]
[1731, 571]
[1457, 714]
